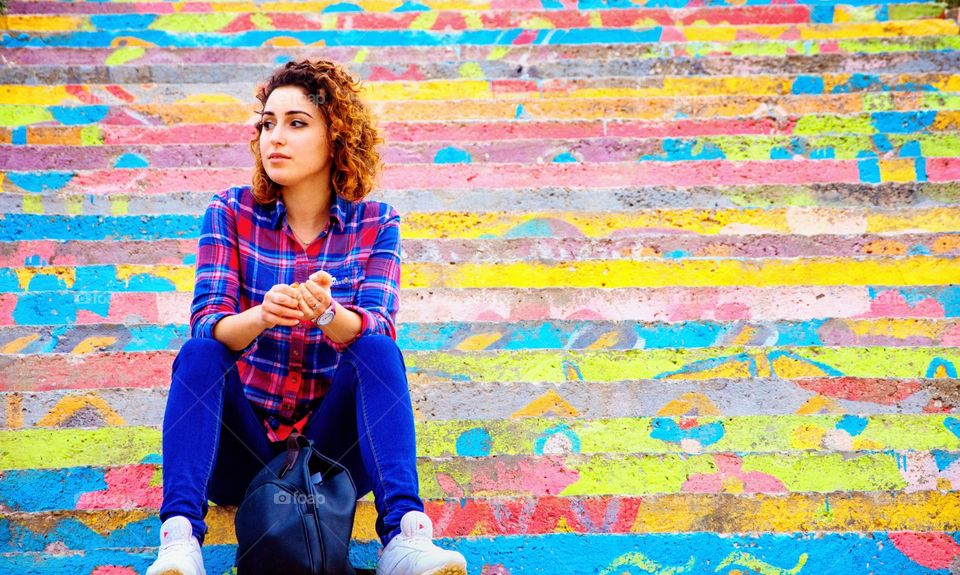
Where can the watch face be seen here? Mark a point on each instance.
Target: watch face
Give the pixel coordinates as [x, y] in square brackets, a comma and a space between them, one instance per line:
[326, 317]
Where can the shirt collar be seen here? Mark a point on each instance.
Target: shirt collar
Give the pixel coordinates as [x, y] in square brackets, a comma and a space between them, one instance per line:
[339, 212]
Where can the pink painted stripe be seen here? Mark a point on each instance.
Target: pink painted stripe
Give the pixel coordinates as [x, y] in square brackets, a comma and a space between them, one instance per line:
[455, 20]
[943, 169]
[477, 132]
[652, 305]
[150, 370]
[513, 176]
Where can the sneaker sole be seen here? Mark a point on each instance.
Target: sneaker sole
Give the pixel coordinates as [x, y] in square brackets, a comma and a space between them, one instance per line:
[455, 570]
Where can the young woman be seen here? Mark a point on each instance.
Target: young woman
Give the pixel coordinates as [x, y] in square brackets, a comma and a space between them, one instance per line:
[292, 327]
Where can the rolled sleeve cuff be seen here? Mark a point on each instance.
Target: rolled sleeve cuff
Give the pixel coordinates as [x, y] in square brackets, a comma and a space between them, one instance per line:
[204, 329]
[369, 324]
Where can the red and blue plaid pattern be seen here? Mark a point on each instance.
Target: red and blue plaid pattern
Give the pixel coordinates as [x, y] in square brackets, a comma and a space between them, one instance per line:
[246, 248]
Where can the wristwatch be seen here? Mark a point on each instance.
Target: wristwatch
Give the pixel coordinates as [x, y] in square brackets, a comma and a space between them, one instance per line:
[327, 316]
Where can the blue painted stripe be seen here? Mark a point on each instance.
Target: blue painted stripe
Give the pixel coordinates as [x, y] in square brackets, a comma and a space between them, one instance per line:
[555, 335]
[566, 553]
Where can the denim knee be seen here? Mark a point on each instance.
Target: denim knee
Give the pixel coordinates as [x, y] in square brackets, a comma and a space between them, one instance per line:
[375, 344]
[206, 360]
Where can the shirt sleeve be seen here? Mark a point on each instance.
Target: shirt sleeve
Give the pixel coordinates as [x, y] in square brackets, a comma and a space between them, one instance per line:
[217, 284]
[378, 296]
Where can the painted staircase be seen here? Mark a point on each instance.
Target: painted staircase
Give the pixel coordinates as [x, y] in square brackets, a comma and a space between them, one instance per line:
[680, 282]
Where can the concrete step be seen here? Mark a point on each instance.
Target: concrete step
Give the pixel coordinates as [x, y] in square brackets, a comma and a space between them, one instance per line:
[91, 117]
[502, 225]
[498, 403]
[92, 480]
[886, 127]
[57, 16]
[643, 272]
[568, 335]
[833, 198]
[75, 422]
[152, 369]
[891, 553]
[476, 520]
[519, 151]
[136, 73]
[396, 62]
[652, 243]
[200, 30]
[617, 86]
[674, 304]
[463, 177]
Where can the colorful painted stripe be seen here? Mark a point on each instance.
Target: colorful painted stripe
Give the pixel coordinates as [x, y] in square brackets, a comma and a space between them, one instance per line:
[929, 124]
[152, 369]
[236, 18]
[767, 272]
[590, 87]
[433, 401]
[594, 150]
[93, 116]
[200, 30]
[505, 517]
[806, 221]
[917, 553]
[567, 335]
[814, 303]
[519, 176]
[711, 55]
[673, 432]
[533, 247]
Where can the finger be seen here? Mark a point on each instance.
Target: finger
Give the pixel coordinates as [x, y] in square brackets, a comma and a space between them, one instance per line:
[284, 311]
[283, 299]
[315, 294]
[322, 278]
[291, 290]
[306, 309]
[282, 320]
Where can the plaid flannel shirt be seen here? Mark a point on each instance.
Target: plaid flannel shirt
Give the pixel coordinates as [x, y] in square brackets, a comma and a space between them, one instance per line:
[245, 248]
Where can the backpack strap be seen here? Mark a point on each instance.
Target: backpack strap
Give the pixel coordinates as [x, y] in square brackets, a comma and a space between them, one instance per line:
[295, 442]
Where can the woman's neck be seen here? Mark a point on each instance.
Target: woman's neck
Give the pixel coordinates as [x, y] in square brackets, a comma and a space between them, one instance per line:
[307, 208]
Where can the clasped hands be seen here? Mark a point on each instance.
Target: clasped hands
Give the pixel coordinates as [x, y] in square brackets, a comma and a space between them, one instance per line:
[290, 304]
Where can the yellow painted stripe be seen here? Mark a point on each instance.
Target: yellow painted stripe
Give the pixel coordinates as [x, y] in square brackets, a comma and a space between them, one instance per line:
[653, 273]
[46, 23]
[473, 225]
[920, 270]
[36, 95]
[683, 513]
[472, 89]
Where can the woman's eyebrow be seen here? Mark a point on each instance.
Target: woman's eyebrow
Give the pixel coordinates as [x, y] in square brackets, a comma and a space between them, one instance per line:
[290, 113]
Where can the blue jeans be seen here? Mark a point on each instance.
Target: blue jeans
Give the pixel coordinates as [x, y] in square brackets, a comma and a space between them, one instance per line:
[214, 443]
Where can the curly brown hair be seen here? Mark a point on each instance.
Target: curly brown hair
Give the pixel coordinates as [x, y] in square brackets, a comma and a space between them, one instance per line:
[350, 128]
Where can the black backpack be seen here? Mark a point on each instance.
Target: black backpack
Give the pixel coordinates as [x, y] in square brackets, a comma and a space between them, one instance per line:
[297, 515]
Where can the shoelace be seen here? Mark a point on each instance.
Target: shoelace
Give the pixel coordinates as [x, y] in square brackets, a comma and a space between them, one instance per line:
[423, 543]
[177, 545]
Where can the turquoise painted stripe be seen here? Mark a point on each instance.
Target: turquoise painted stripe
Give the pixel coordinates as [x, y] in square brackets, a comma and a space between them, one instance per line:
[566, 553]
[19, 227]
[448, 335]
[256, 38]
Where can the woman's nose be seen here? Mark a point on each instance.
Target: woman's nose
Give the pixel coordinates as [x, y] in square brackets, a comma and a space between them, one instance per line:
[276, 134]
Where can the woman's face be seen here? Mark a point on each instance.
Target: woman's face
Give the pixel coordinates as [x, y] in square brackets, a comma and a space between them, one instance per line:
[293, 127]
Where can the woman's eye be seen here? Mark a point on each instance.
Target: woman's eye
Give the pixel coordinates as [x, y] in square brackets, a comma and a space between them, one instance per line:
[298, 122]
[266, 125]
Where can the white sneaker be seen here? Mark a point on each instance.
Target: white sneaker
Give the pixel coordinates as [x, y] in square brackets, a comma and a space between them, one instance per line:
[412, 551]
[179, 550]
